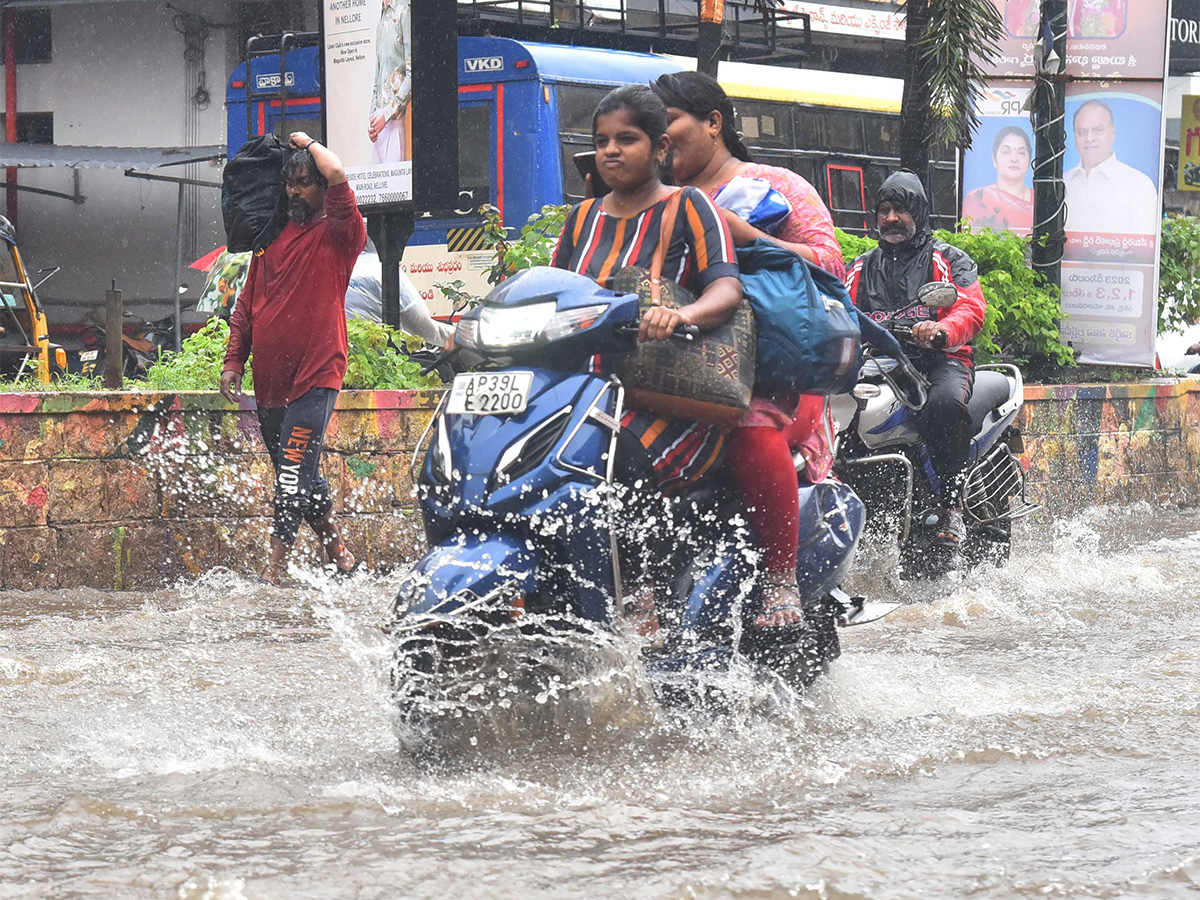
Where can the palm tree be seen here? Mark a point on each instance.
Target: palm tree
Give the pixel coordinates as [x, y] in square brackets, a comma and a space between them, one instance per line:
[948, 43]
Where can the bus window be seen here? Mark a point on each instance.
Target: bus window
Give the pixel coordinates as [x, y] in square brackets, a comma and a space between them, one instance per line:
[944, 195]
[576, 105]
[764, 124]
[883, 134]
[810, 130]
[843, 130]
[474, 154]
[847, 197]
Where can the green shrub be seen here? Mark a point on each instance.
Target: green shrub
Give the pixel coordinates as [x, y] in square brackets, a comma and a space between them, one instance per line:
[1179, 262]
[533, 247]
[197, 366]
[376, 361]
[1021, 325]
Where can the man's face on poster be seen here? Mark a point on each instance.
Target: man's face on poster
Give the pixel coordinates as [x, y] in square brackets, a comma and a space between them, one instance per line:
[1094, 135]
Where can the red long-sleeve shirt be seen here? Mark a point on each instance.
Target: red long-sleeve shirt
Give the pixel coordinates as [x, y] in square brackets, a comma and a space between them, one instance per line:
[292, 311]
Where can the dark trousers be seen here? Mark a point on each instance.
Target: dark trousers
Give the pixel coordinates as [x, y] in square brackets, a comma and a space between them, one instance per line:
[945, 422]
[294, 435]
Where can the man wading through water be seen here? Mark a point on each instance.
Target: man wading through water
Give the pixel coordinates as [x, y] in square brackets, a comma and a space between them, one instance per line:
[292, 315]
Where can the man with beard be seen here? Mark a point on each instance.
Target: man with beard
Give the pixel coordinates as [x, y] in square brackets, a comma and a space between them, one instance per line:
[883, 282]
[292, 315]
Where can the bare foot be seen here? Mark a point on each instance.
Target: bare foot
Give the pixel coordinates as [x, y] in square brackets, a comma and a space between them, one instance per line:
[276, 566]
[335, 548]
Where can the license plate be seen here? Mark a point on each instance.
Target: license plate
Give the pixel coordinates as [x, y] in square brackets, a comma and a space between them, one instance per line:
[88, 355]
[490, 393]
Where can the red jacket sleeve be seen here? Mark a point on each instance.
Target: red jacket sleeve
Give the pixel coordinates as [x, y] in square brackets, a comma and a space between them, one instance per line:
[240, 325]
[964, 320]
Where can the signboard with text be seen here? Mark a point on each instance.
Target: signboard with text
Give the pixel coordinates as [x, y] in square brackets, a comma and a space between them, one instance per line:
[832, 18]
[1189, 143]
[368, 89]
[1105, 38]
[1112, 172]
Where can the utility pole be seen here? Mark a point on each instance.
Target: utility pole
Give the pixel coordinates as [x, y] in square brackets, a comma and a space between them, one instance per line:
[1050, 130]
[708, 39]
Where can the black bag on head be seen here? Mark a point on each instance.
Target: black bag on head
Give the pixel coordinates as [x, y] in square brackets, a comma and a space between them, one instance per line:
[253, 200]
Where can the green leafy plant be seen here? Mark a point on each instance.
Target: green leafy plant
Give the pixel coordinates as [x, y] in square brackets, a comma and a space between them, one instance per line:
[70, 382]
[1179, 266]
[534, 246]
[378, 359]
[197, 366]
[1022, 315]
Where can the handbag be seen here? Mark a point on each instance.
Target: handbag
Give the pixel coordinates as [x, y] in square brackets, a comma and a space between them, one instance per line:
[808, 337]
[709, 379]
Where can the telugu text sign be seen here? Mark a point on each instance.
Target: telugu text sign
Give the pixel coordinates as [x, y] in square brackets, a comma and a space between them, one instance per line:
[1105, 38]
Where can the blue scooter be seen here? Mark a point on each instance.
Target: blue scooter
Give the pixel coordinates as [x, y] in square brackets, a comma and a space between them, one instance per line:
[532, 533]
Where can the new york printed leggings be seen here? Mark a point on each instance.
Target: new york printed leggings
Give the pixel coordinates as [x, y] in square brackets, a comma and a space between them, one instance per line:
[295, 435]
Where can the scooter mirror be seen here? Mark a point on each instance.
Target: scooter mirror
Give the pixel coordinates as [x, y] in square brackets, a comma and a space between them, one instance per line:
[937, 294]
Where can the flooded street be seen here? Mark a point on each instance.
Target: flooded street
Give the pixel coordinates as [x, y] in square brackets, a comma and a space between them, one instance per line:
[1032, 731]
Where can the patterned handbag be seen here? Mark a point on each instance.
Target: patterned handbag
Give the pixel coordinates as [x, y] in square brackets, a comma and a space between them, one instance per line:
[708, 379]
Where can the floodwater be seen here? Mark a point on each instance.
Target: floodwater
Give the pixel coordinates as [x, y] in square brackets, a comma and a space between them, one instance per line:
[1026, 732]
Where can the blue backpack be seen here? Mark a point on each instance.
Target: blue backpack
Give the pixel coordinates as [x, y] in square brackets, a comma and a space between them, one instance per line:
[808, 334]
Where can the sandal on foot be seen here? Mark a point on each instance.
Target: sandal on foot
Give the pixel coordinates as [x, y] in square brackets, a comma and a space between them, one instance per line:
[952, 528]
[786, 599]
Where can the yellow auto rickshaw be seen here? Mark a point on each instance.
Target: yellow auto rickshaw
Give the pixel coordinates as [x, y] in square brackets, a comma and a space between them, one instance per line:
[25, 346]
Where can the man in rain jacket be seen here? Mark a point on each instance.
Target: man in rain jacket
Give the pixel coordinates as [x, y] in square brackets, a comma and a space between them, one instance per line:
[883, 283]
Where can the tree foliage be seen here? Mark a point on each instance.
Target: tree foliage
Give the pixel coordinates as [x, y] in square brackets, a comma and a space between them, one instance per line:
[1179, 267]
[948, 44]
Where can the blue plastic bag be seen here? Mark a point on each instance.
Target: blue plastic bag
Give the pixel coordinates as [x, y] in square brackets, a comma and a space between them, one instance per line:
[808, 334]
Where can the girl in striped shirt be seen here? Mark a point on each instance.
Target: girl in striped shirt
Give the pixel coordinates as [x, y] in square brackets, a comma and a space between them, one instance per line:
[603, 235]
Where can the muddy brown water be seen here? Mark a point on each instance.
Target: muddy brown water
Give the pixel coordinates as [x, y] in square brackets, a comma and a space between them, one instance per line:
[1027, 732]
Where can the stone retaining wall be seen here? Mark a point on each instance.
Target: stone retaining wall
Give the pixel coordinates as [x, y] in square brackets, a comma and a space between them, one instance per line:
[133, 490]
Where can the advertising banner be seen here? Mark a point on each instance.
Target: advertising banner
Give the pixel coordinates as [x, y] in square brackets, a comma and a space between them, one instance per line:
[1105, 38]
[1112, 171]
[368, 88]
[1189, 143]
[832, 18]
[997, 179]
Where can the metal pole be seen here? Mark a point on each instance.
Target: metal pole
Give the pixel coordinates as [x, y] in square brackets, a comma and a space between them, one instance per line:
[178, 270]
[1049, 122]
[114, 339]
[8, 24]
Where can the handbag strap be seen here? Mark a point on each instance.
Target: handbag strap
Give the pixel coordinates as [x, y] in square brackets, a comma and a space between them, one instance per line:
[670, 213]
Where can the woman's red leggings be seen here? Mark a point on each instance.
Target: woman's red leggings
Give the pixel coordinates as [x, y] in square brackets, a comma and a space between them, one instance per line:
[766, 476]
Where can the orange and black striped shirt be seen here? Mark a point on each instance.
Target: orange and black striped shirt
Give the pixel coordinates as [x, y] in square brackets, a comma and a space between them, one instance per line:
[599, 245]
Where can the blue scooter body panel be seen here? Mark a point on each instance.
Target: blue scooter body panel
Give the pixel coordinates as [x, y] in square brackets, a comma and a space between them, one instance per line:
[470, 561]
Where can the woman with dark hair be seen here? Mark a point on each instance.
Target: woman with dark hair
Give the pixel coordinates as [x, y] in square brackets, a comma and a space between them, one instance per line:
[708, 153]
[1007, 204]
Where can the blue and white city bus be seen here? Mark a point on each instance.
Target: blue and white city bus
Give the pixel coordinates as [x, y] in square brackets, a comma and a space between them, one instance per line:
[526, 108]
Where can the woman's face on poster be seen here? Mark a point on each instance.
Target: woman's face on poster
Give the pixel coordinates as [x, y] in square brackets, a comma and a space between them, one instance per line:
[1012, 158]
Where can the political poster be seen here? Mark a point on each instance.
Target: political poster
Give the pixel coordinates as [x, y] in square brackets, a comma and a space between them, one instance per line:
[1106, 38]
[1112, 173]
[997, 180]
[368, 89]
[1189, 143]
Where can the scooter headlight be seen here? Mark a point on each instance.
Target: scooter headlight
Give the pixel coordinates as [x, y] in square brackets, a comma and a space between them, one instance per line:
[511, 327]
